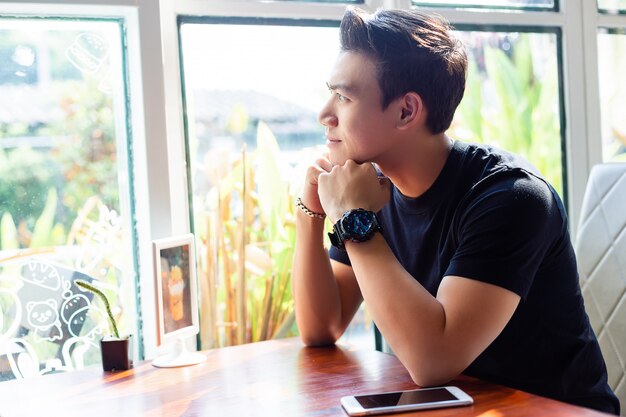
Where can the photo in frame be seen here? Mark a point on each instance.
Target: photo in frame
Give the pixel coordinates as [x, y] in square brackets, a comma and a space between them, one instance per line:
[176, 288]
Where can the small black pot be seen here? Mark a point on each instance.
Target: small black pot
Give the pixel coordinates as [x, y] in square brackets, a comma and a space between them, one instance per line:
[117, 354]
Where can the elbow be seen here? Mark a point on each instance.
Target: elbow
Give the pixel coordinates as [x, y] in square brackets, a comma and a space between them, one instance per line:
[316, 341]
[316, 334]
[432, 375]
[424, 380]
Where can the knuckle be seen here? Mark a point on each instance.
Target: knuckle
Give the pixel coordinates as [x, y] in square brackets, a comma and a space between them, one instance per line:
[313, 170]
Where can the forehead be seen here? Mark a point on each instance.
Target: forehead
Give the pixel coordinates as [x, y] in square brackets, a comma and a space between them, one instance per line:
[354, 71]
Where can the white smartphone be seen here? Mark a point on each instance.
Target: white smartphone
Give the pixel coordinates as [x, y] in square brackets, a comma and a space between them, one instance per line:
[395, 402]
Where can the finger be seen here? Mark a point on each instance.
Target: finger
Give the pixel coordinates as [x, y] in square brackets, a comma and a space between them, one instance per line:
[322, 178]
[313, 172]
[325, 164]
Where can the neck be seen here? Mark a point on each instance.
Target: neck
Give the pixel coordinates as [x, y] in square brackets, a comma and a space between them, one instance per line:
[414, 169]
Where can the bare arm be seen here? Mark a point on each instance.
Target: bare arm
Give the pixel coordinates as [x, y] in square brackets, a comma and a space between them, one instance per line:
[326, 297]
[435, 338]
[325, 301]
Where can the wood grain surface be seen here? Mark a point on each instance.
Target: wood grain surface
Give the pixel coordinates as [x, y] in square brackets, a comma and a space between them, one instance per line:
[274, 378]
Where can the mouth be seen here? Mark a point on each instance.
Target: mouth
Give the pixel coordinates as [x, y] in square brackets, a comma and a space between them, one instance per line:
[332, 140]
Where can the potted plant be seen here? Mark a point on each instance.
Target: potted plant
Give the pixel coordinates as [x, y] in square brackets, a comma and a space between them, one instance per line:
[116, 351]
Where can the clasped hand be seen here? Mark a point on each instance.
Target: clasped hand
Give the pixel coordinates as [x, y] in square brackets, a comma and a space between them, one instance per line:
[350, 186]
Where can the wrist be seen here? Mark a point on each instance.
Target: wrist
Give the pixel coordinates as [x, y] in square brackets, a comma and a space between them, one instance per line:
[311, 199]
[336, 213]
[304, 209]
[357, 225]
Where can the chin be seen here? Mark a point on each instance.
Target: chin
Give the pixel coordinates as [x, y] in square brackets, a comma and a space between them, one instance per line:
[337, 159]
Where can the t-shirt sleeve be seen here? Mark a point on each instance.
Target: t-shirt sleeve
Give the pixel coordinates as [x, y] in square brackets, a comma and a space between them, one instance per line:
[504, 232]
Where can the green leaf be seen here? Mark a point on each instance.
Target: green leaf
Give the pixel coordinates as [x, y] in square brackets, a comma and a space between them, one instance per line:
[470, 109]
[523, 58]
[45, 222]
[272, 189]
[8, 233]
[514, 128]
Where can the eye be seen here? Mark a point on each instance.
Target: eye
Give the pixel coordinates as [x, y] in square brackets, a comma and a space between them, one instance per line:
[341, 98]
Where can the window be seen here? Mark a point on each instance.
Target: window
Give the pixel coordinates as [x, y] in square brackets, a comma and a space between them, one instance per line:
[578, 110]
[512, 98]
[611, 67]
[65, 194]
[252, 103]
[492, 4]
[612, 6]
[251, 106]
[325, 1]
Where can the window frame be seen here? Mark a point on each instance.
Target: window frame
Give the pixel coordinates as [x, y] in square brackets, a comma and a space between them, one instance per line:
[581, 113]
[143, 97]
[156, 116]
[553, 8]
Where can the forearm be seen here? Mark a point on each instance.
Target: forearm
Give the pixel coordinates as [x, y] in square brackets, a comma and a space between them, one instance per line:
[315, 290]
[411, 319]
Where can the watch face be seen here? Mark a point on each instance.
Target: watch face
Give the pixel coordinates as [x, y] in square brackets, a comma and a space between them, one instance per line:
[358, 223]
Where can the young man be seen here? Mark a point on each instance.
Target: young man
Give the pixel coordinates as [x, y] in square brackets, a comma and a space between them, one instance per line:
[463, 255]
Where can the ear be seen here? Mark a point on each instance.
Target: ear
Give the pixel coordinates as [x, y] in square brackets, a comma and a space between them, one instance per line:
[412, 110]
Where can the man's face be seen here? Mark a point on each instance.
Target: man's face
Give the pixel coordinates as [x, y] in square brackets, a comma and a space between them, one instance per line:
[356, 126]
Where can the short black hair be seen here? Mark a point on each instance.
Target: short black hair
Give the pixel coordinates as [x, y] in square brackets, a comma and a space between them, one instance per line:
[413, 51]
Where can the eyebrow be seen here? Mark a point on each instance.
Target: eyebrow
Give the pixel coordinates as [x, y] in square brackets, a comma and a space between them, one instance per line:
[343, 87]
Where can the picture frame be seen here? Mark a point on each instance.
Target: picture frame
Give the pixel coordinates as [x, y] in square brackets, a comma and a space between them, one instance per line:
[176, 288]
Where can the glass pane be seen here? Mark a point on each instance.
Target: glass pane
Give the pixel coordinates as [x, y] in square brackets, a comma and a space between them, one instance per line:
[611, 68]
[326, 1]
[63, 189]
[612, 6]
[252, 106]
[492, 4]
[512, 97]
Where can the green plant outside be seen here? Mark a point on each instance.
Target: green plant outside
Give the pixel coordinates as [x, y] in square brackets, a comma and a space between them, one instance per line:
[245, 251]
[524, 117]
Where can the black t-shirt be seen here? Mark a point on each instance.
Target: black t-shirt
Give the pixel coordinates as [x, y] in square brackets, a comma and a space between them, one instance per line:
[490, 217]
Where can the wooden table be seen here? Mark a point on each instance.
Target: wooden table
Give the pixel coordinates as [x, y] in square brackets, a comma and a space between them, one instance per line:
[279, 378]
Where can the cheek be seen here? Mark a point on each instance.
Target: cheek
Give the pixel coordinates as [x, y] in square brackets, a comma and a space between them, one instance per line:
[367, 135]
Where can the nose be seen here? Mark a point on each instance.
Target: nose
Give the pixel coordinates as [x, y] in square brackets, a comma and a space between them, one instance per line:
[327, 116]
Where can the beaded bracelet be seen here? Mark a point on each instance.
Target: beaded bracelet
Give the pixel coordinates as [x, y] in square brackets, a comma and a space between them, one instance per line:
[308, 212]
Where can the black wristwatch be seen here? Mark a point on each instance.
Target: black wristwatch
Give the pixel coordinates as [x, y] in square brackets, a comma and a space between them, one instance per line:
[357, 225]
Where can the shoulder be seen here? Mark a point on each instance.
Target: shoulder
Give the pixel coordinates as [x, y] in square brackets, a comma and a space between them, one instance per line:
[499, 176]
[514, 186]
[479, 165]
[515, 199]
